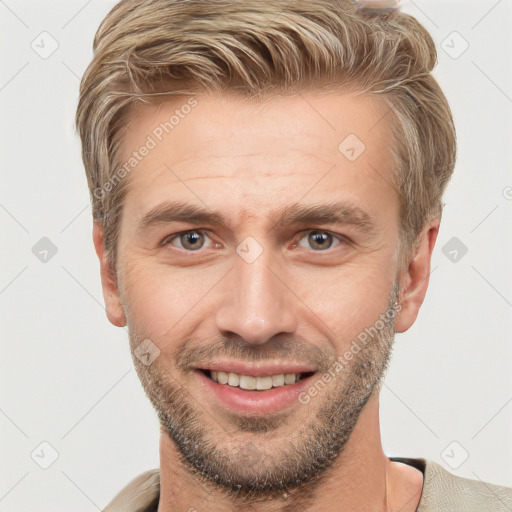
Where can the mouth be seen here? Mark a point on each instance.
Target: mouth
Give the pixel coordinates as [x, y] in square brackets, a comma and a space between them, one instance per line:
[253, 383]
[265, 392]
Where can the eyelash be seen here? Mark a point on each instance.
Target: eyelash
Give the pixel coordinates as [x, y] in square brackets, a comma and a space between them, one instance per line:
[341, 239]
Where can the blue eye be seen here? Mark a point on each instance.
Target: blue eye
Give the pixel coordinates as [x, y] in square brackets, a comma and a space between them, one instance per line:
[321, 240]
[189, 240]
[195, 240]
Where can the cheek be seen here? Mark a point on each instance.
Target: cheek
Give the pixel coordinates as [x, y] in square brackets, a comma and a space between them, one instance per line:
[347, 300]
[162, 300]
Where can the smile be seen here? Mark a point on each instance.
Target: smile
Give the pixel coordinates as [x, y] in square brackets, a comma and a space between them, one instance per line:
[251, 383]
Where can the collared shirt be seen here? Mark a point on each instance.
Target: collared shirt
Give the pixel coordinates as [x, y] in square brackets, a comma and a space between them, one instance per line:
[442, 492]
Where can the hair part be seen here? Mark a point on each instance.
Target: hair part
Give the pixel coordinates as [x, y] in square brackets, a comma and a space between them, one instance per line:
[147, 51]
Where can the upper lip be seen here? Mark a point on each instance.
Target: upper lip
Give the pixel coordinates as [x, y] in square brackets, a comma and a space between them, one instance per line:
[256, 369]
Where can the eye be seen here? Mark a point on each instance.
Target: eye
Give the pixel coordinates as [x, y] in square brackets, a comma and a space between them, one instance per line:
[194, 240]
[189, 240]
[321, 240]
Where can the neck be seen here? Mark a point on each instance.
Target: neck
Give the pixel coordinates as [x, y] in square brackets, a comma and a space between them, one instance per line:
[363, 478]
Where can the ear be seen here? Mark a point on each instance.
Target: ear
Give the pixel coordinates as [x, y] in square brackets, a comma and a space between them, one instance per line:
[414, 282]
[113, 306]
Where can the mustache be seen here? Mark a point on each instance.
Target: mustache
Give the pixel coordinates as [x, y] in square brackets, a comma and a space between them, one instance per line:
[196, 353]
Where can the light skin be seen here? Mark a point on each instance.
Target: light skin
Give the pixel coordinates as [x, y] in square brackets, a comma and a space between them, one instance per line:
[245, 160]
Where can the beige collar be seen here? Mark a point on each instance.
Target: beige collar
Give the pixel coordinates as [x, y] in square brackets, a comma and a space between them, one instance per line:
[441, 491]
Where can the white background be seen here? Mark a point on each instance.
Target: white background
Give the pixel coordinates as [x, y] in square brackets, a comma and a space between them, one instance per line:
[67, 375]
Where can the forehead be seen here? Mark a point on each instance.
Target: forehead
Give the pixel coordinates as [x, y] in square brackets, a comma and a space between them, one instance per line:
[248, 156]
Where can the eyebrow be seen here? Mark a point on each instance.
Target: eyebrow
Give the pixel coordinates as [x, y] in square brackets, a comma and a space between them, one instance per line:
[290, 215]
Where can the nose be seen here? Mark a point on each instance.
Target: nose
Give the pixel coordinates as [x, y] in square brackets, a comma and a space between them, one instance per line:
[256, 303]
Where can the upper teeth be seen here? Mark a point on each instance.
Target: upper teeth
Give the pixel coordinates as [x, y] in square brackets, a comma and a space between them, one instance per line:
[248, 382]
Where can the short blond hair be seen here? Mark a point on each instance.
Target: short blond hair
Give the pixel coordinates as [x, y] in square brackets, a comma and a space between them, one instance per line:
[153, 48]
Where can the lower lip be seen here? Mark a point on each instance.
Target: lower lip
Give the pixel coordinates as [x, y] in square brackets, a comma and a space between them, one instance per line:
[263, 402]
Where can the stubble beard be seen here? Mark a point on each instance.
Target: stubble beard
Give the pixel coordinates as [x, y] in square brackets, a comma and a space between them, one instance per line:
[249, 459]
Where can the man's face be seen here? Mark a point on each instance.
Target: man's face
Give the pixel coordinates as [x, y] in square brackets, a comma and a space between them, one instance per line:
[255, 291]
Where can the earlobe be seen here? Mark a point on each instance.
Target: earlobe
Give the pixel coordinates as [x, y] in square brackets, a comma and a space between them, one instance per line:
[113, 306]
[414, 282]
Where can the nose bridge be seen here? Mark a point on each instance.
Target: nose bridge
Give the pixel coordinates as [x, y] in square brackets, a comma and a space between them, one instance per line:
[257, 304]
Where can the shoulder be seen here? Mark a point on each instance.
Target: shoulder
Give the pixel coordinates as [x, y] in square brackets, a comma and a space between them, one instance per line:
[141, 494]
[443, 490]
